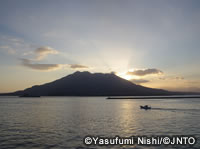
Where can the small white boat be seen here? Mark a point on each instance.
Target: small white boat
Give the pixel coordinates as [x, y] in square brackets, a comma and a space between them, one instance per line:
[146, 107]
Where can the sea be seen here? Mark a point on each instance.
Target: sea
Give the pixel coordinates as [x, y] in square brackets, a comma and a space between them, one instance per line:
[67, 122]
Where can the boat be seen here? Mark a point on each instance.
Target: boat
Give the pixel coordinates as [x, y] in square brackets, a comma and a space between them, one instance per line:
[146, 107]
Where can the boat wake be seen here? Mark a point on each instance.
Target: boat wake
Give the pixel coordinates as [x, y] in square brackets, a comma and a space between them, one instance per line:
[175, 109]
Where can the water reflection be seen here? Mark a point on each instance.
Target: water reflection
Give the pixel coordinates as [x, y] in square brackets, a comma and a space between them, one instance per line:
[126, 116]
[63, 122]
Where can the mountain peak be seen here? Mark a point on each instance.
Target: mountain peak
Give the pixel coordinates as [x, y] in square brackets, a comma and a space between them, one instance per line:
[87, 73]
[81, 73]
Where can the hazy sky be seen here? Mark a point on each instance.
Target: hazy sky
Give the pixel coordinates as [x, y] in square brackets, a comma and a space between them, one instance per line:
[153, 43]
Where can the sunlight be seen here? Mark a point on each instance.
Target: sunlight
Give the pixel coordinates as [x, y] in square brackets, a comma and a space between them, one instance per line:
[124, 75]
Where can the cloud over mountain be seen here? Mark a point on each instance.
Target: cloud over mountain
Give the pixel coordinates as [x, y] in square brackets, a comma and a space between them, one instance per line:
[144, 72]
[172, 78]
[44, 67]
[42, 52]
[139, 81]
[74, 66]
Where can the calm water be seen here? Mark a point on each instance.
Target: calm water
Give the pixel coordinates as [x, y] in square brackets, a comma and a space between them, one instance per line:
[63, 122]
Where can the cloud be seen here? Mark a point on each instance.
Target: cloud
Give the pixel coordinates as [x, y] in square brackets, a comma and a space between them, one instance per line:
[42, 52]
[145, 72]
[172, 78]
[139, 81]
[179, 78]
[7, 49]
[12, 46]
[43, 67]
[75, 66]
[49, 67]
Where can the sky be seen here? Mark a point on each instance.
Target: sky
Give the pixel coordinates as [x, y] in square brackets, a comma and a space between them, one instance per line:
[152, 43]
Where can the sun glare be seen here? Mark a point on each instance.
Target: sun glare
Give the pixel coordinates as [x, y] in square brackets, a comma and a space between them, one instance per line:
[126, 76]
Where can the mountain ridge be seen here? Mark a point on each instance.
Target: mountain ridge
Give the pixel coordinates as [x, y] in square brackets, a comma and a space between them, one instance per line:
[91, 84]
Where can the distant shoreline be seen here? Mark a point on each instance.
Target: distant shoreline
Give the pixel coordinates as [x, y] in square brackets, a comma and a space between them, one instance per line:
[123, 97]
[154, 97]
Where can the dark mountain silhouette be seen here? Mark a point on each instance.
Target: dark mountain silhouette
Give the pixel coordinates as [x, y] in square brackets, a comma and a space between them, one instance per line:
[91, 84]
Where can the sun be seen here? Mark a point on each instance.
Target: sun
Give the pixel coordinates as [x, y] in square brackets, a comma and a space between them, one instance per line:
[124, 75]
